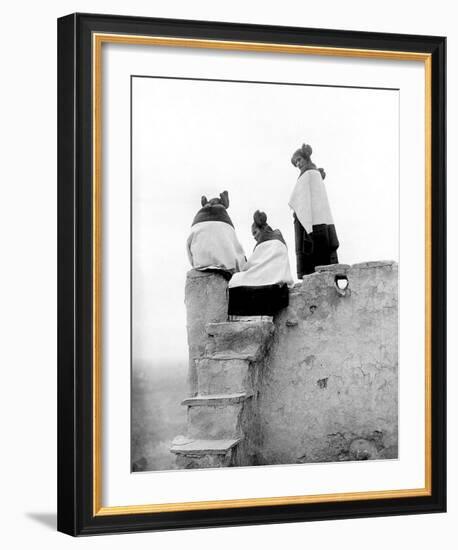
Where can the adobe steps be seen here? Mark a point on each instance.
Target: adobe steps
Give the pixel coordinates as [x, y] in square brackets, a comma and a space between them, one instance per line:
[221, 416]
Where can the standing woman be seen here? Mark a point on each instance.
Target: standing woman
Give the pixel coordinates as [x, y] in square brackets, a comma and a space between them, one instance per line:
[316, 237]
[262, 287]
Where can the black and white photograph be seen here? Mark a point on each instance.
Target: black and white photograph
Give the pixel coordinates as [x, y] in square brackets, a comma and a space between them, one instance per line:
[225, 293]
[264, 273]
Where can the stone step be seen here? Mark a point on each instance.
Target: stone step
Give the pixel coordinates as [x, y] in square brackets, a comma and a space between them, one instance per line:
[222, 376]
[204, 453]
[214, 400]
[229, 355]
[198, 447]
[219, 418]
[246, 337]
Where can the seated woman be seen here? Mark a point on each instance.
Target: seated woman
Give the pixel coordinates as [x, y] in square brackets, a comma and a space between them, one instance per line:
[213, 244]
[262, 287]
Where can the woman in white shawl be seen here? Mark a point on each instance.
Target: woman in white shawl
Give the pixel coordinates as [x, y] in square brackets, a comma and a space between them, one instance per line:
[262, 287]
[315, 233]
[212, 243]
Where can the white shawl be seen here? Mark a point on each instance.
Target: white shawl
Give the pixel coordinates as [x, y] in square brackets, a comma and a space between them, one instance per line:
[214, 245]
[309, 201]
[268, 265]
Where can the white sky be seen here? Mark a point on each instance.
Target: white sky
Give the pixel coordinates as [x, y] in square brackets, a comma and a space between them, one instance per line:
[193, 138]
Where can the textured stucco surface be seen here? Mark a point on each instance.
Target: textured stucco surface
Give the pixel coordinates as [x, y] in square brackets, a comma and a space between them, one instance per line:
[206, 302]
[223, 376]
[329, 389]
[322, 379]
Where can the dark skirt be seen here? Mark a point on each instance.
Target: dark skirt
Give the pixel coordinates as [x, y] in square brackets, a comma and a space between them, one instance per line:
[316, 248]
[258, 300]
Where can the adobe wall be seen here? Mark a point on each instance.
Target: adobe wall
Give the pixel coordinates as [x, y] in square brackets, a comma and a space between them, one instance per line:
[327, 388]
[206, 302]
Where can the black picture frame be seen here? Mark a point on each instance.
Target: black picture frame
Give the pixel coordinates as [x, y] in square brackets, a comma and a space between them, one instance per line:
[75, 275]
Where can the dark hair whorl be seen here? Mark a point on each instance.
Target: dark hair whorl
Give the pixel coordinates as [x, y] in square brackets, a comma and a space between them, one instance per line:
[260, 218]
[306, 151]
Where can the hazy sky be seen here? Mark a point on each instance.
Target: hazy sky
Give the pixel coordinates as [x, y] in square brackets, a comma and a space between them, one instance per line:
[193, 138]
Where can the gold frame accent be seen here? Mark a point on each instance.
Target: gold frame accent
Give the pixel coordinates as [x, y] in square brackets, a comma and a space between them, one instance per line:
[97, 40]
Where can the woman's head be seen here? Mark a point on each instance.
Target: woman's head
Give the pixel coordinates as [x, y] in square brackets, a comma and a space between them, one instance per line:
[302, 157]
[259, 225]
[262, 231]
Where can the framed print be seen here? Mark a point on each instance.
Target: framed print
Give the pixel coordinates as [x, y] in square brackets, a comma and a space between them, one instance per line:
[251, 274]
